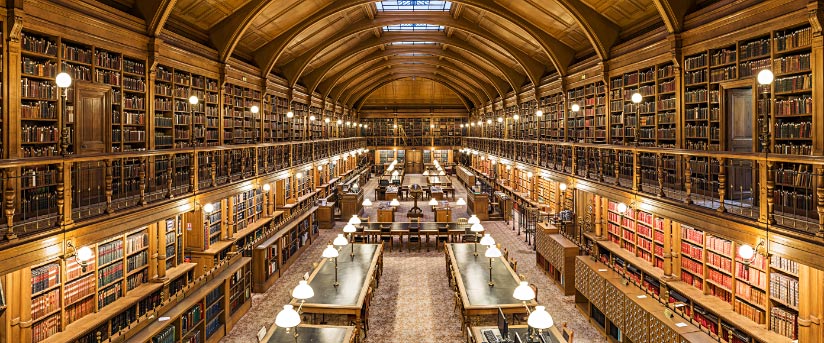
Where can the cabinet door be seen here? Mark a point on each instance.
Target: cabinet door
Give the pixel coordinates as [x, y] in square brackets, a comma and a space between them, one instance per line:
[92, 107]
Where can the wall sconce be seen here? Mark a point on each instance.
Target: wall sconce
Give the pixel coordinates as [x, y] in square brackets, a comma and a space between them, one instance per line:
[747, 253]
[298, 175]
[575, 107]
[290, 114]
[82, 256]
[254, 109]
[208, 208]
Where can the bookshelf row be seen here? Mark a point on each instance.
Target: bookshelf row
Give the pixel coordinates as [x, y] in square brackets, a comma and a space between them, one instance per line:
[413, 131]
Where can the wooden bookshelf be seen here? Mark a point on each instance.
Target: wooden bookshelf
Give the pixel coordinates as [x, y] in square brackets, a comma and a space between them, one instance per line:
[555, 255]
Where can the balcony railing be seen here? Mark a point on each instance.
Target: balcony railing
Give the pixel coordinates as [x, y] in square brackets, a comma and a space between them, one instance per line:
[46, 193]
[783, 190]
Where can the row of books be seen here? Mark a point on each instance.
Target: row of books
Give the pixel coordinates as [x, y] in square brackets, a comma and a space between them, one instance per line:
[45, 304]
[751, 294]
[110, 273]
[137, 241]
[719, 245]
[754, 276]
[784, 322]
[45, 277]
[784, 288]
[109, 252]
[749, 311]
[79, 310]
[109, 295]
[79, 289]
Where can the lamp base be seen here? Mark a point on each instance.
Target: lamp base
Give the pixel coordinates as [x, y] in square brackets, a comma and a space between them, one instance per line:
[491, 284]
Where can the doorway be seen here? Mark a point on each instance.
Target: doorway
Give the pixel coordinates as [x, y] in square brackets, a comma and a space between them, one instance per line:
[92, 135]
[740, 121]
[414, 162]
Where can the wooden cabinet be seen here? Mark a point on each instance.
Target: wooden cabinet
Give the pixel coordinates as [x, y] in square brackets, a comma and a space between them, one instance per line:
[386, 215]
[272, 256]
[478, 204]
[556, 257]
[351, 204]
[443, 214]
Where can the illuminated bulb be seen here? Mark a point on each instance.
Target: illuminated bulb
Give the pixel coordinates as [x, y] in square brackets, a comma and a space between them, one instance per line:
[576, 107]
[563, 187]
[326, 120]
[298, 175]
[637, 97]
[208, 208]
[516, 117]
[254, 109]
[500, 119]
[489, 121]
[622, 207]
[312, 118]
[193, 99]
[63, 80]
[746, 252]
[290, 114]
[84, 254]
[339, 122]
[539, 113]
[765, 77]
[267, 187]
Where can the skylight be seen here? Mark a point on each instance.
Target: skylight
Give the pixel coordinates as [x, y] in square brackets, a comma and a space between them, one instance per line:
[412, 43]
[413, 5]
[414, 54]
[412, 27]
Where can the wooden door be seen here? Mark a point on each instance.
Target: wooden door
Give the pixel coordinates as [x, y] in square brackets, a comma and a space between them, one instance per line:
[740, 124]
[414, 162]
[92, 135]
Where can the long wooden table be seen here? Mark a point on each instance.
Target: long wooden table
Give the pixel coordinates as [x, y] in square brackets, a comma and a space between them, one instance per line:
[355, 275]
[551, 335]
[372, 231]
[312, 333]
[471, 273]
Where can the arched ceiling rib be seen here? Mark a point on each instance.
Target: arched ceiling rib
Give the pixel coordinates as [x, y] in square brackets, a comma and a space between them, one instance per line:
[387, 77]
[349, 86]
[155, 12]
[318, 76]
[673, 13]
[388, 81]
[395, 52]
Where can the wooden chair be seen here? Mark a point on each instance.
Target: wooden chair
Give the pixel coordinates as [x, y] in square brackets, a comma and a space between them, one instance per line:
[367, 303]
[414, 235]
[386, 236]
[505, 253]
[443, 236]
[514, 265]
[567, 333]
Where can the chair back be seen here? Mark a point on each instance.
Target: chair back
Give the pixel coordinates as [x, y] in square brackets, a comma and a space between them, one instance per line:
[462, 221]
[442, 228]
[386, 228]
[567, 333]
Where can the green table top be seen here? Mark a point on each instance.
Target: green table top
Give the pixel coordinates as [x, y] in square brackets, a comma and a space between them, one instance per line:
[352, 275]
[474, 272]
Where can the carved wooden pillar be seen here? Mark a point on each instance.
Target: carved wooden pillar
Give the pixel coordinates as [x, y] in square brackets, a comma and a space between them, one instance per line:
[668, 254]
[142, 176]
[108, 186]
[616, 164]
[61, 192]
[722, 184]
[161, 250]
[8, 203]
[193, 177]
[636, 171]
[819, 193]
[599, 226]
[213, 167]
[170, 177]
[660, 167]
[770, 194]
[601, 165]
[574, 161]
[688, 182]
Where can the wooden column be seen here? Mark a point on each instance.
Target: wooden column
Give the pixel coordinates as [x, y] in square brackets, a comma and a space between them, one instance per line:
[11, 74]
[811, 306]
[669, 256]
[599, 225]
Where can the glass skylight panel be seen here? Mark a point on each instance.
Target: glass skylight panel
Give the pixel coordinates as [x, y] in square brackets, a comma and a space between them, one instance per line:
[412, 43]
[412, 27]
[414, 54]
[413, 5]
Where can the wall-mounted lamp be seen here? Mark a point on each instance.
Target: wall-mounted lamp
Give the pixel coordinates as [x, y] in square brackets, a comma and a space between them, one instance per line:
[575, 107]
[82, 256]
[747, 253]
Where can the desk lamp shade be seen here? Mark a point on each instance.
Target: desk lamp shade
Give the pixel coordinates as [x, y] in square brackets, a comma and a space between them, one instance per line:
[303, 291]
[287, 317]
[488, 240]
[473, 219]
[330, 252]
[349, 228]
[340, 240]
[366, 203]
[523, 292]
[394, 202]
[433, 202]
[461, 202]
[540, 318]
[354, 220]
[441, 173]
[493, 252]
[395, 173]
[477, 227]
[426, 173]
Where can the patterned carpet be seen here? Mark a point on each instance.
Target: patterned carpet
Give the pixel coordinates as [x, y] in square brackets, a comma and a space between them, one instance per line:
[414, 302]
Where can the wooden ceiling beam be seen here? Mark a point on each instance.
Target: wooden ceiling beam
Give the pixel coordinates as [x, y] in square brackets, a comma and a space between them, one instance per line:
[314, 79]
[465, 90]
[389, 78]
[438, 60]
[673, 13]
[348, 87]
[227, 33]
[601, 32]
[155, 12]
[534, 68]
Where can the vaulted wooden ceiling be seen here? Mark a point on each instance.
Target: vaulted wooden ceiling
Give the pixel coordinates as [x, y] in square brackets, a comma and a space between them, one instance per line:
[340, 48]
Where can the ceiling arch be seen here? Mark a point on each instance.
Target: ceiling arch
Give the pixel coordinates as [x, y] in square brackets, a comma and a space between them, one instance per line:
[387, 77]
[394, 78]
[155, 12]
[438, 57]
[313, 79]
[534, 68]
[470, 90]
[348, 86]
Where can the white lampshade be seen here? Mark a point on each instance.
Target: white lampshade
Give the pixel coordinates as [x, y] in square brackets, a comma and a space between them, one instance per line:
[529, 175]
[433, 202]
[563, 187]
[516, 117]
[63, 80]
[355, 220]
[637, 97]
[540, 318]
[765, 77]
[254, 109]
[366, 203]
[746, 252]
[477, 227]
[208, 208]
[84, 254]
[287, 317]
[340, 240]
[290, 114]
[539, 113]
[473, 219]
[460, 202]
[312, 117]
[487, 240]
[576, 107]
[326, 120]
[441, 173]
[500, 119]
[303, 291]
[492, 252]
[330, 252]
[523, 292]
[622, 207]
[395, 173]
[394, 202]
[193, 100]
[267, 187]
[349, 228]
[339, 122]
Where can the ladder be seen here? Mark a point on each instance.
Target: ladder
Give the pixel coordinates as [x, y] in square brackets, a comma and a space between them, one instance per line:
[401, 135]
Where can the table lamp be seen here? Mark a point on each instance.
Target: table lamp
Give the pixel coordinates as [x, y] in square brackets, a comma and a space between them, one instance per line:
[473, 219]
[477, 227]
[540, 319]
[394, 203]
[288, 318]
[433, 202]
[461, 202]
[487, 240]
[330, 252]
[355, 220]
[492, 252]
[350, 229]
